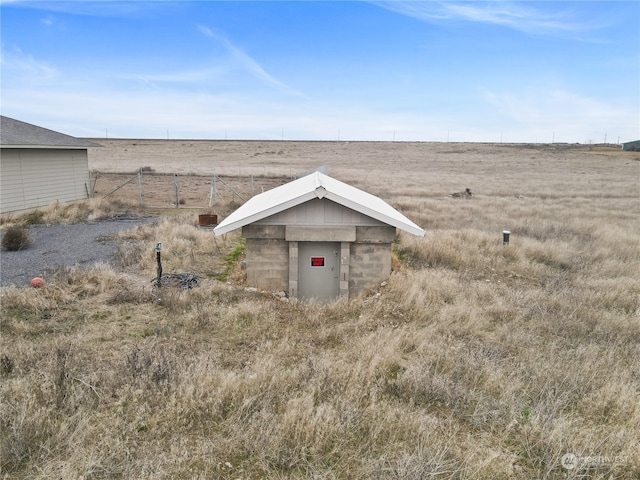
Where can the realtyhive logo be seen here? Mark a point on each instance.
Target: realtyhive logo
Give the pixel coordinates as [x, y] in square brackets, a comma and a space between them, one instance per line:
[570, 461]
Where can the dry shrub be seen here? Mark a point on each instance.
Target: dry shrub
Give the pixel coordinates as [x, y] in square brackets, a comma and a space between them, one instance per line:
[174, 299]
[154, 366]
[81, 211]
[34, 299]
[64, 286]
[421, 293]
[26, 428]
[185, 248]
[461, 250]
[130, 253]
[127, 291]
[99, 278]
[32, 217]
[16, 237]
[433, 457]
[6, 365]
[557, 255]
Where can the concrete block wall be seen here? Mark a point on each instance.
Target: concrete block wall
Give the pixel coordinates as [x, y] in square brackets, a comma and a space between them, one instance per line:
[345, 274]
[268, 264]
[267, 257]
[369, 265]
[370, 258]
[272, 256]
[293, 269]
[386, 234]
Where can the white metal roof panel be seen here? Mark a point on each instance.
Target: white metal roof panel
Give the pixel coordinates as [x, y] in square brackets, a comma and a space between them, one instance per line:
[315, 185]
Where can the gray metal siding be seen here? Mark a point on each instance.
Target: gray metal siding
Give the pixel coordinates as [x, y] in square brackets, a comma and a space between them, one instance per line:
[34, 178]
[633, 146]
[11, 191]
[320, 212]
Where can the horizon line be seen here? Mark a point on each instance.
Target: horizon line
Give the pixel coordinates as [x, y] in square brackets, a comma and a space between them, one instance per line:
[186, 139]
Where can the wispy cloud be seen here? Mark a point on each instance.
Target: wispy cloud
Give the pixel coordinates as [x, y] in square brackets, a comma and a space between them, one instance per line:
[248, 63]
[47, 21]
[187, 77]
[17, 64]
[517, 16]
[94, 8]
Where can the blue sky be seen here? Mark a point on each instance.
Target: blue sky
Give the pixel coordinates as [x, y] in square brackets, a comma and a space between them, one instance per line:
[506, 71]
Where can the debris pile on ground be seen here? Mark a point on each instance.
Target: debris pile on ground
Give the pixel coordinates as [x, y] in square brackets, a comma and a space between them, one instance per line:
[281, 295]
[466, 194]
[177, 280]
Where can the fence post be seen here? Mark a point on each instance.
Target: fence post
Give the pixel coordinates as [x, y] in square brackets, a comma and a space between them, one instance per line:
[213, 194]
[140, 195]
[92, 184]
[175, 181]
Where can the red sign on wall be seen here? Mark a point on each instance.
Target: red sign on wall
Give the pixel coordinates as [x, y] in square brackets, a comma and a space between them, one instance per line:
[317, 261]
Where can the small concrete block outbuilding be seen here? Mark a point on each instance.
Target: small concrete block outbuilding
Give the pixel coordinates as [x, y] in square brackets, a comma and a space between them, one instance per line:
[317, 238]
[39, 166]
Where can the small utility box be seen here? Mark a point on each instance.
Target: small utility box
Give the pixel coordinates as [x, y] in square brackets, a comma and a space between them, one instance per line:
[207, 220]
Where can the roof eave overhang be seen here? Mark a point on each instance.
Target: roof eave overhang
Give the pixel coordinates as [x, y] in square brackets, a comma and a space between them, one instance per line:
[50, 147]
[408, 226]
[241, 222]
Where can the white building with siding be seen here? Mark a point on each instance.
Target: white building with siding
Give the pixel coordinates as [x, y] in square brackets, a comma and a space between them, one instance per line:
[39, 167]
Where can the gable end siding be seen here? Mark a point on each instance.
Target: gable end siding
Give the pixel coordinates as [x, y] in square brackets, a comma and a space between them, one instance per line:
[319, 212]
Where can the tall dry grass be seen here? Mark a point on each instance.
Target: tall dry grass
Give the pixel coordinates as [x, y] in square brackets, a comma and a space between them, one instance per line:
[475, 360]
[67, 213]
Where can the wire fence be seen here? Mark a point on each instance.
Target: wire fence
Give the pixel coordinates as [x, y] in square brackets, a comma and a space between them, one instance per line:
[160, 190]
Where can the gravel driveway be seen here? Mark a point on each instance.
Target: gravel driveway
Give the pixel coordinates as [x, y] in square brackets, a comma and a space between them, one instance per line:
[53, 246]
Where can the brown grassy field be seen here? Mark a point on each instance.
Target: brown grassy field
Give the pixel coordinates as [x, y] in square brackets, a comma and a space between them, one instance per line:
[475, 360]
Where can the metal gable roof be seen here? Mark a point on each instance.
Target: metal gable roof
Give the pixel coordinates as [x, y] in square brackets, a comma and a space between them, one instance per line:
[17, 134]
[315, 185]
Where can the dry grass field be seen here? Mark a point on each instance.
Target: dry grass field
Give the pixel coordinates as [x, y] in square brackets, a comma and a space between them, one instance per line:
[474, 361]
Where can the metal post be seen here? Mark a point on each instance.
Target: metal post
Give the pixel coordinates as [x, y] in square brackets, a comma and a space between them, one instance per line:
[175, 181]
[93, 183]
[159, 261]
[140, 195]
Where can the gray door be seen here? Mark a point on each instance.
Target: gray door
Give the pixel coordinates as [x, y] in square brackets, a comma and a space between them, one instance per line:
[318, 270]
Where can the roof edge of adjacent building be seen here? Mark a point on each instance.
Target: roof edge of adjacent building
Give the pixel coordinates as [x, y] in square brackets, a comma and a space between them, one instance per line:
[16, 134]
